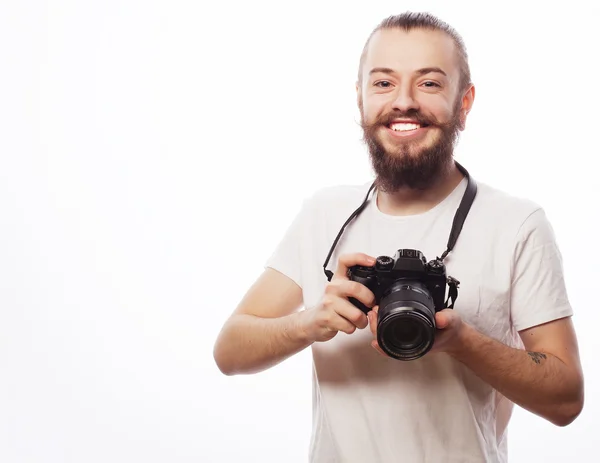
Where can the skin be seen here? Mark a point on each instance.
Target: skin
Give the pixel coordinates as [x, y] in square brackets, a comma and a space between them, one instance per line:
[268, 326]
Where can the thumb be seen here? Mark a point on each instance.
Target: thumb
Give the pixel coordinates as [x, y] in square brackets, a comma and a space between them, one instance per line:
[442, 319]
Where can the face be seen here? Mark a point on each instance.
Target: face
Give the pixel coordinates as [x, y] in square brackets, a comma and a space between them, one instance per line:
[410, 105]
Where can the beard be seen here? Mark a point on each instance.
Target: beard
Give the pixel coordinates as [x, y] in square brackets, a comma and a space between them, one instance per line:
[409, 166]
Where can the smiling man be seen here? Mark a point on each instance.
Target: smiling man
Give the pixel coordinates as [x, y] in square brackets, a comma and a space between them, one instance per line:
[507, 339]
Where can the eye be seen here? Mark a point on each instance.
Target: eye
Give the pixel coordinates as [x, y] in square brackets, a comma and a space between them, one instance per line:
[430, 84]
[383, 84]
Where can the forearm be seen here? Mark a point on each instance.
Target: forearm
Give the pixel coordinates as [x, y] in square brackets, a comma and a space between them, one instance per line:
[249, 344]
[537, 381]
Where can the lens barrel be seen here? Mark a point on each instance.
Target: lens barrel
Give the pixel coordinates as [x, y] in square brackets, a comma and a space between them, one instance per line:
[406, 320]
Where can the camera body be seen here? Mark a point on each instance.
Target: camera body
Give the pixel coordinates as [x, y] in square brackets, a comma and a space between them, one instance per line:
[409, 291]
[406, 265]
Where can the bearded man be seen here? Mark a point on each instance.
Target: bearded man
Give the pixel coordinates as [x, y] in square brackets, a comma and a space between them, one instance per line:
[443, 385]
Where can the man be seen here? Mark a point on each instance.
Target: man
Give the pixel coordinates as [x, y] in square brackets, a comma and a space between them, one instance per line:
[508, 339]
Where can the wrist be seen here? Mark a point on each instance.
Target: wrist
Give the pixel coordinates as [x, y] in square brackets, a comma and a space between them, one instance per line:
[462, 341]
[300, 327]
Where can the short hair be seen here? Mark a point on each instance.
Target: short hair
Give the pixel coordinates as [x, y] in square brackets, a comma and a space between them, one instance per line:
[409, 21]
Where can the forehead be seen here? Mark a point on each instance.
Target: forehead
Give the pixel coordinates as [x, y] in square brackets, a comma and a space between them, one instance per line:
[406, 52]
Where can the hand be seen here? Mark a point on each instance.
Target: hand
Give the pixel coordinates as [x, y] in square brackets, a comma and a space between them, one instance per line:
[449, 326]
[447, 337]
[335, 312]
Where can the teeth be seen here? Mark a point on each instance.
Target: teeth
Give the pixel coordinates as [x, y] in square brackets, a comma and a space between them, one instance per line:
[400, 127]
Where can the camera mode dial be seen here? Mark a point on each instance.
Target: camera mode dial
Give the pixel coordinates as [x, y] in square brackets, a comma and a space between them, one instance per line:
[384, 263]
[436, 265]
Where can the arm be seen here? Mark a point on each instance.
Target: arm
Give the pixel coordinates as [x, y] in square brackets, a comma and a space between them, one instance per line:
[264, 329]
[267, 328]
[545, 378]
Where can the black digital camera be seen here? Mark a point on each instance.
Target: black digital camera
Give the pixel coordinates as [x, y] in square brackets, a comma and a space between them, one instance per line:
[409, 291]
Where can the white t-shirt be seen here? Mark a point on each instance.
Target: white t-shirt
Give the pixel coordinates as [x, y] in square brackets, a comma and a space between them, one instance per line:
[368, 408]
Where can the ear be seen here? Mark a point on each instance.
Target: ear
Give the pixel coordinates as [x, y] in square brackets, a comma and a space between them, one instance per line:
[466, 105]
[358, 94]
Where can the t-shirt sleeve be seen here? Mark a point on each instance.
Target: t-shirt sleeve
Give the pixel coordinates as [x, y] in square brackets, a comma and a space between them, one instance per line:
[538, 292]
[287, 256]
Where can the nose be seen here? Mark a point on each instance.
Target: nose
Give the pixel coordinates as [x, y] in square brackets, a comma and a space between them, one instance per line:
[404, 100]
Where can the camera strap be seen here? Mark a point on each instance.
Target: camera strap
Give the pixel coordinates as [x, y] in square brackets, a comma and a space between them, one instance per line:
[452, 292]
[457, 224]
[461, 212]
[329, 273]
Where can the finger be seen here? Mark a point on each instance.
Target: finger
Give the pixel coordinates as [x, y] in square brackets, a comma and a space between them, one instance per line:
[443, 319]
[348, 260]
[375, 346]
[440, 321]
[340, 323]
[354, 315]
[347, 288]
[373, 320]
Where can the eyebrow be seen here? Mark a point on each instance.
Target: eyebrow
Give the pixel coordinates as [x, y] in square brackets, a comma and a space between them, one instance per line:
[421, 71]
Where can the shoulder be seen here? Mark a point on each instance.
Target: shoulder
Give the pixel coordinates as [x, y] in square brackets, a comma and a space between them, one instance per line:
[504, 210]
[497, 200]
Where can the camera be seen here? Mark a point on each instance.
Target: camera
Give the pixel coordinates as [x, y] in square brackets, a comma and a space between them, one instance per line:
[409, 291]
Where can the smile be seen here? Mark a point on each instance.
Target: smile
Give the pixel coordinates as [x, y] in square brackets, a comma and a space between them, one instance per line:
[406, 129]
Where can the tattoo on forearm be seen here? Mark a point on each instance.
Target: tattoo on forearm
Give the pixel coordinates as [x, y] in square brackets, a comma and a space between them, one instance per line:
[537, 357]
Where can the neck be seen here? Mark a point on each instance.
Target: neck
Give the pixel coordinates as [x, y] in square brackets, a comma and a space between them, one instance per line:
[407, 201]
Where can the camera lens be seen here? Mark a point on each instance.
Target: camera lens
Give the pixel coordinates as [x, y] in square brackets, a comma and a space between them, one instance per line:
[406, 321]
[407, 333]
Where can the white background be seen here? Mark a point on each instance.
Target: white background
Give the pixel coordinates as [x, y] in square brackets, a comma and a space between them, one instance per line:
[153, 153]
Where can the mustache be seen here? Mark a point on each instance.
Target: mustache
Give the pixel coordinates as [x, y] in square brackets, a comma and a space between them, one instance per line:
[413, 115]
